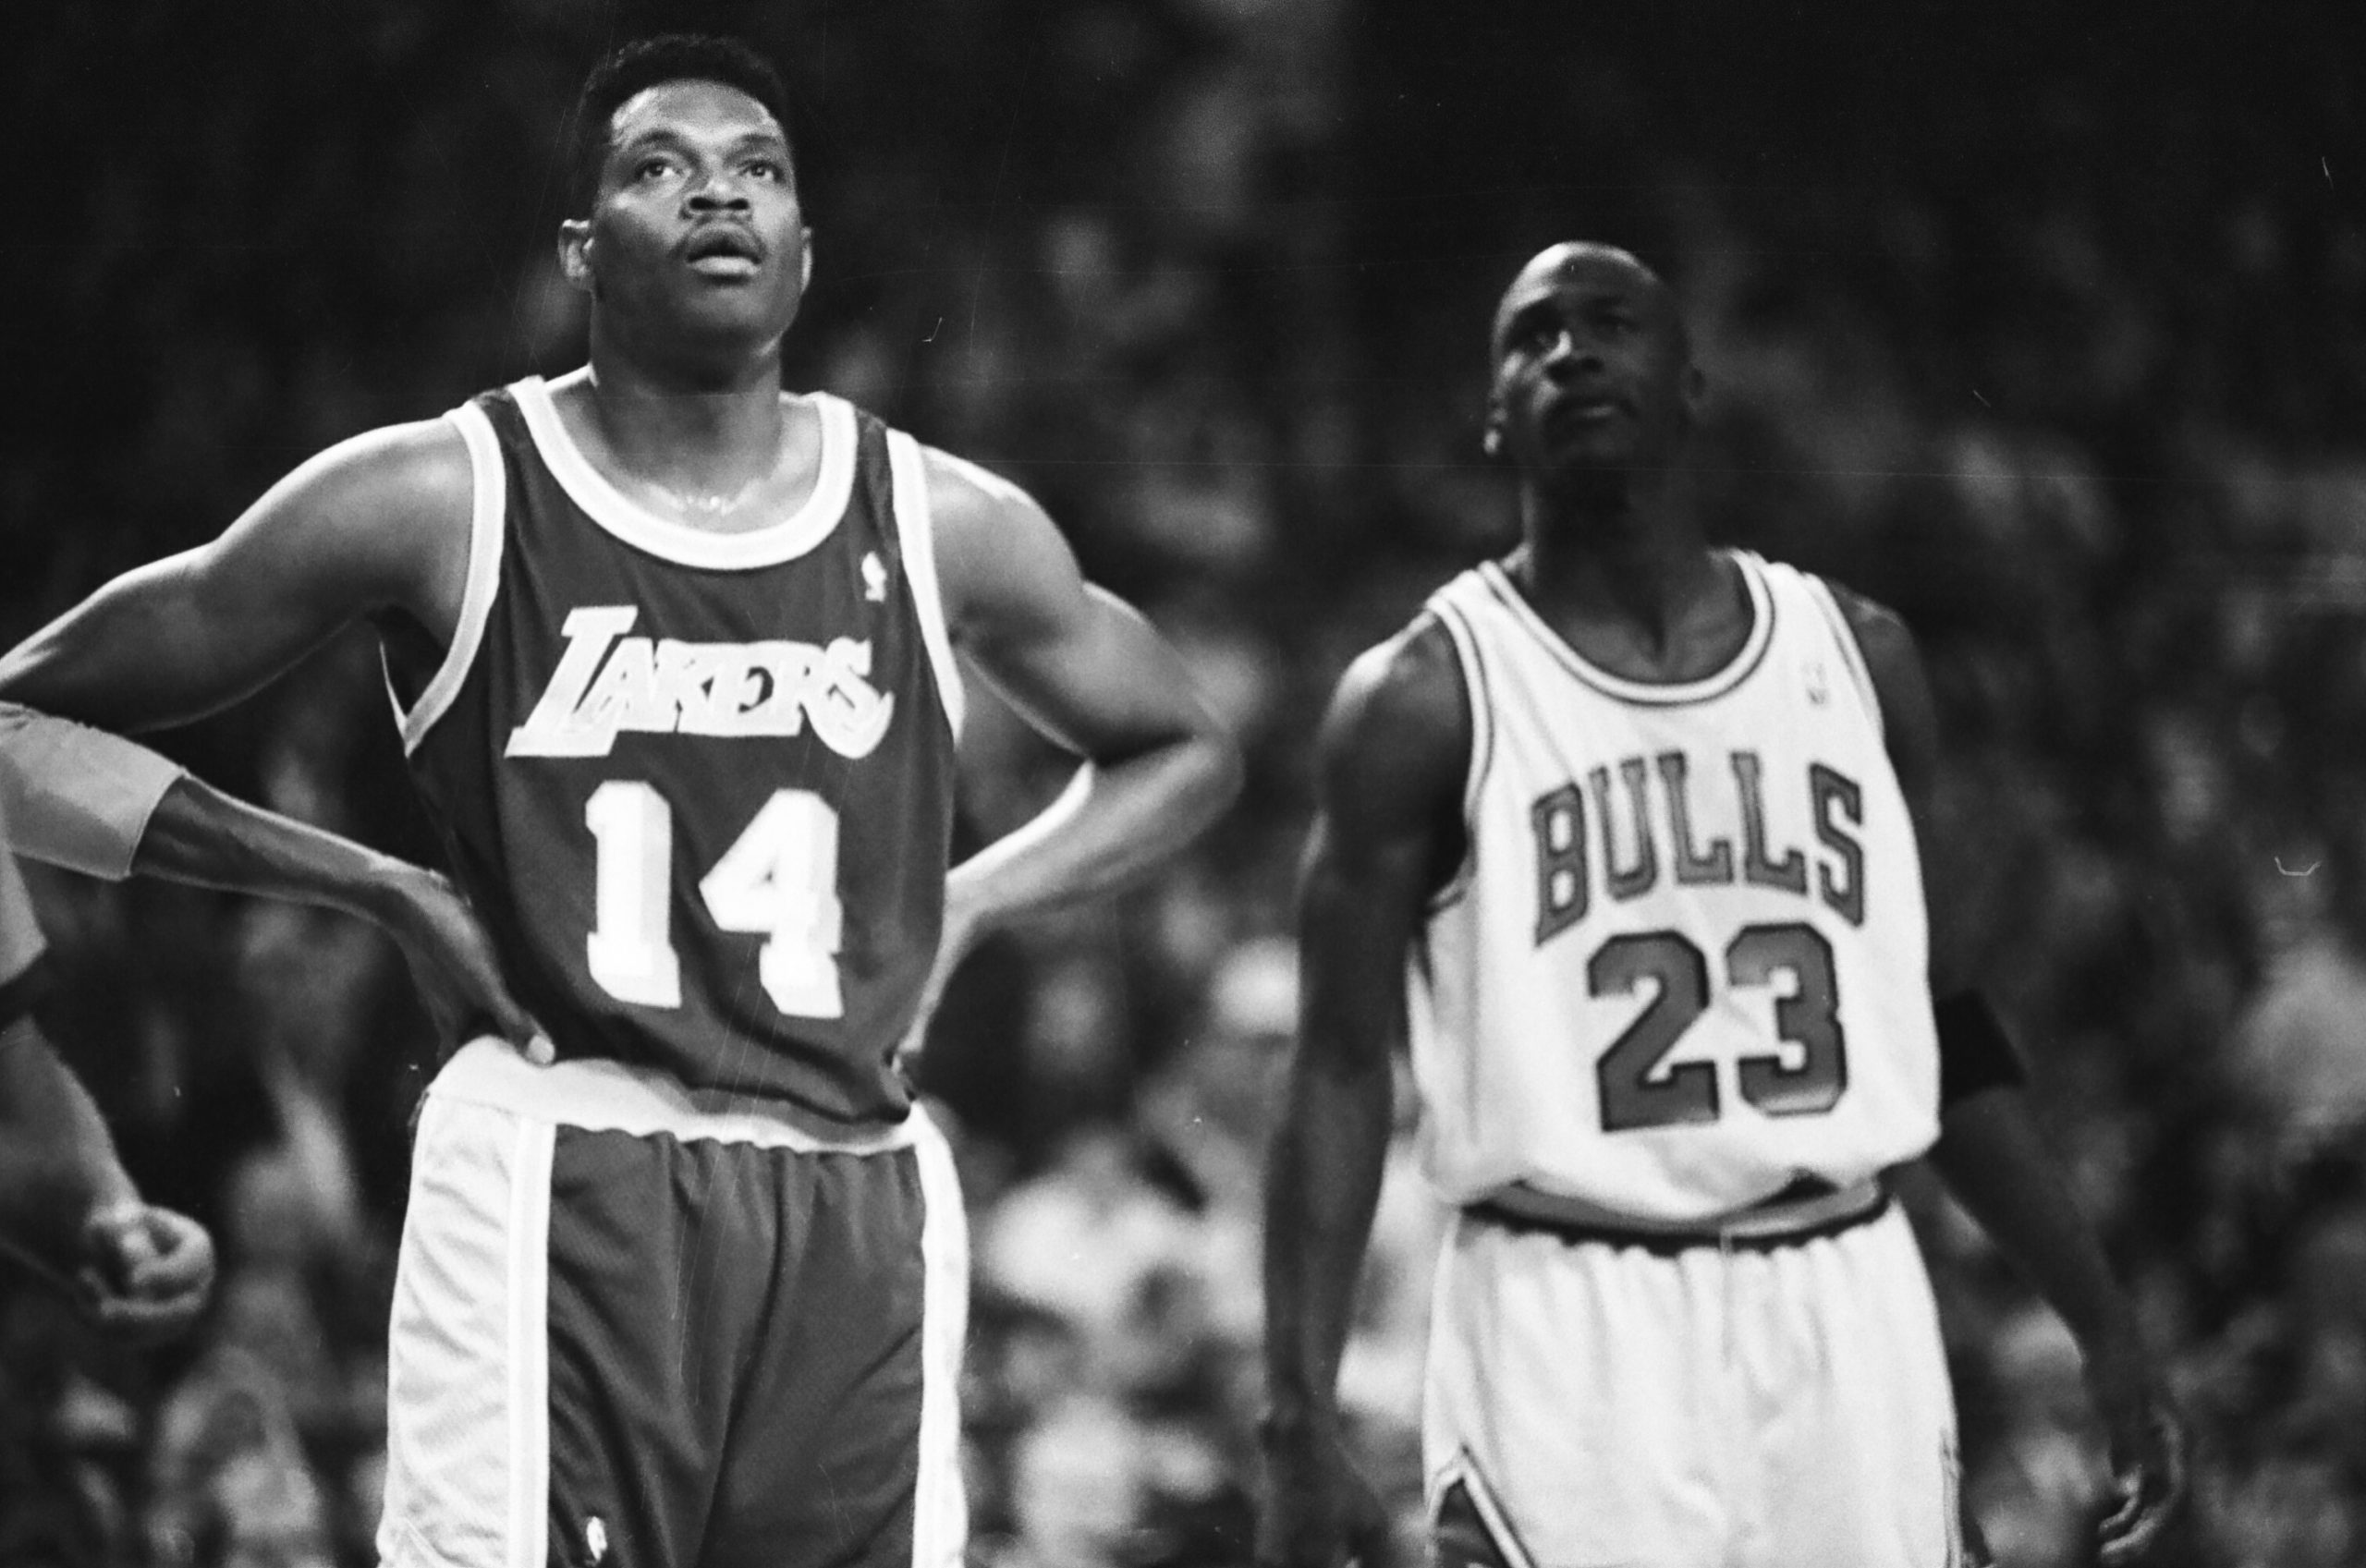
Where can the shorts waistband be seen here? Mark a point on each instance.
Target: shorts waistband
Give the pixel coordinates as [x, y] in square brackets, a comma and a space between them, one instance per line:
[601, 1096]
[1777, 1222]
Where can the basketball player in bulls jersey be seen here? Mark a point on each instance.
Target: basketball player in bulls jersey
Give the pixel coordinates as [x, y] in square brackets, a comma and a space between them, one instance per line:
[1619, 838]
[672, 656]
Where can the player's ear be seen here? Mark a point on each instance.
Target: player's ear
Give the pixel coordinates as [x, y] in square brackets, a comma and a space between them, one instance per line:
[1490, 440]
[575, 252]
[805, 279]
[1694, 390]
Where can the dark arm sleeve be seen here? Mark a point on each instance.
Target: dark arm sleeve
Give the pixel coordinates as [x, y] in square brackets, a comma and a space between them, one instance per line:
[1975, 1053]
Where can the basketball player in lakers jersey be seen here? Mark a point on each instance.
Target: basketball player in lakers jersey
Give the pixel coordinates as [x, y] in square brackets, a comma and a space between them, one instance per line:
[672, 656]
[1620, 840]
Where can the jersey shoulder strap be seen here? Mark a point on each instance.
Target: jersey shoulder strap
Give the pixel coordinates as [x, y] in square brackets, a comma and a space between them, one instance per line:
[1830, 619]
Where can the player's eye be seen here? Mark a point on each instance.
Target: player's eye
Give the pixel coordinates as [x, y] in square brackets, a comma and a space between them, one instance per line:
[652, 168]
[768, 169]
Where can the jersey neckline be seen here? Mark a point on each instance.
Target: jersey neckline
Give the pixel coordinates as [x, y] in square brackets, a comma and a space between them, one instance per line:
[1651, 694]
[636, 525]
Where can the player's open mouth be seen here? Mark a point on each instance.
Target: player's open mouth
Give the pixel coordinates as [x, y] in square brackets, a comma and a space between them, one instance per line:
[1577, 412]
[724, 251]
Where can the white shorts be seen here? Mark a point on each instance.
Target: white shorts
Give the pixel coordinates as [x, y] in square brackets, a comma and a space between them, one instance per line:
[1741, 1407]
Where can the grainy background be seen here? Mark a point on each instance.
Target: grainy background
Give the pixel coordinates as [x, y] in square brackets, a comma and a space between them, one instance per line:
[2049, 329]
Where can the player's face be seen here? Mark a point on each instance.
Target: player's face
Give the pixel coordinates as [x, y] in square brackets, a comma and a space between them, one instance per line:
[696, 233]
[1593, 370]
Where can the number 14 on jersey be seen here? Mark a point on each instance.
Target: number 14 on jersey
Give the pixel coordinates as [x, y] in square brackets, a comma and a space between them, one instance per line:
[778, 879]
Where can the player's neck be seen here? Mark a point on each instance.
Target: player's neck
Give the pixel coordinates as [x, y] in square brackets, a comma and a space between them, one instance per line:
[1631, 559]
[1636, 525]
[691, 434]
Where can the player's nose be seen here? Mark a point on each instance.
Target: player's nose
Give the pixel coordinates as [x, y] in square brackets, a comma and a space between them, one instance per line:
[717, 191]
[1571, 353]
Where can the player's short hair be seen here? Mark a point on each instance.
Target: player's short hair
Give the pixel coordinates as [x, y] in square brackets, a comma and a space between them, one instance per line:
[646, 62]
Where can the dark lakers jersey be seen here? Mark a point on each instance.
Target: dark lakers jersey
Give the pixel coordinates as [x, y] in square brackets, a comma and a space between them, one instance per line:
[699, 785]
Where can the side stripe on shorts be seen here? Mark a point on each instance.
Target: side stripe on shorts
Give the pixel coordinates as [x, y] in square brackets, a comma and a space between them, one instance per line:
[467, 1441]
[940, 1512]
[530, 1345]
[1468, 1506]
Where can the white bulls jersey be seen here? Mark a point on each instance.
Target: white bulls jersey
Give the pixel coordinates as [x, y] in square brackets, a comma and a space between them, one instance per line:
[1684, 963]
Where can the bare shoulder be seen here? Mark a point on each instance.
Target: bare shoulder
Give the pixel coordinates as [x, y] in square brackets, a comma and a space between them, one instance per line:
[1882, 632]
[1395, 745]
[378, 520]
[961, 492]
[1894, 661]
[1000, 560]
[418, 472]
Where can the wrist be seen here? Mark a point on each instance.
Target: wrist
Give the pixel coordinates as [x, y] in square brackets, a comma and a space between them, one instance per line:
[390, 893]
[51, 1208]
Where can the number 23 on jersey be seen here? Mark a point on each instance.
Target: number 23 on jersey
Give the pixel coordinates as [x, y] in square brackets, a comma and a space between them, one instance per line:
[1640, 1088]
[778, 879]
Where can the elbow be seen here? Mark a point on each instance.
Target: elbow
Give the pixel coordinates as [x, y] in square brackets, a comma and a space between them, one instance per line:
[1222, 767]
[16, 667]
[1208, 772]
[1201, 772]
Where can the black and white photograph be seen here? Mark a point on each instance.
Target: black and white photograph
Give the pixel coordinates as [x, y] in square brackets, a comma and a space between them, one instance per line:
[1183, 784]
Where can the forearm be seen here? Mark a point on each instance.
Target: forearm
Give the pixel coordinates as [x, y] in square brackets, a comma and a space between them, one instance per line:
[1995, 1162]
[1322, 1186]
[58, 1164]
[107, 806]
[200, 835]
[1114, 823]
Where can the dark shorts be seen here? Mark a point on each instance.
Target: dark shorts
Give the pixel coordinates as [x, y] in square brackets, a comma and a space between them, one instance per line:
[631, 1328]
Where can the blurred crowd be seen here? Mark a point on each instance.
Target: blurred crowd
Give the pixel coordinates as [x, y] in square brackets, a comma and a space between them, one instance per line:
[2064, 359]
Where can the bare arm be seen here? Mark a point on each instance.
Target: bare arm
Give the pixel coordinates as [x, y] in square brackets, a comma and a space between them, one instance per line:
[58, 1165]
[1989, 1152]
[1090, 674]
[1389, 772]
[377, 524]
[67, 1206]
[202, 836]
[107, 807]
[1993, 1158]
[69, 1210]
